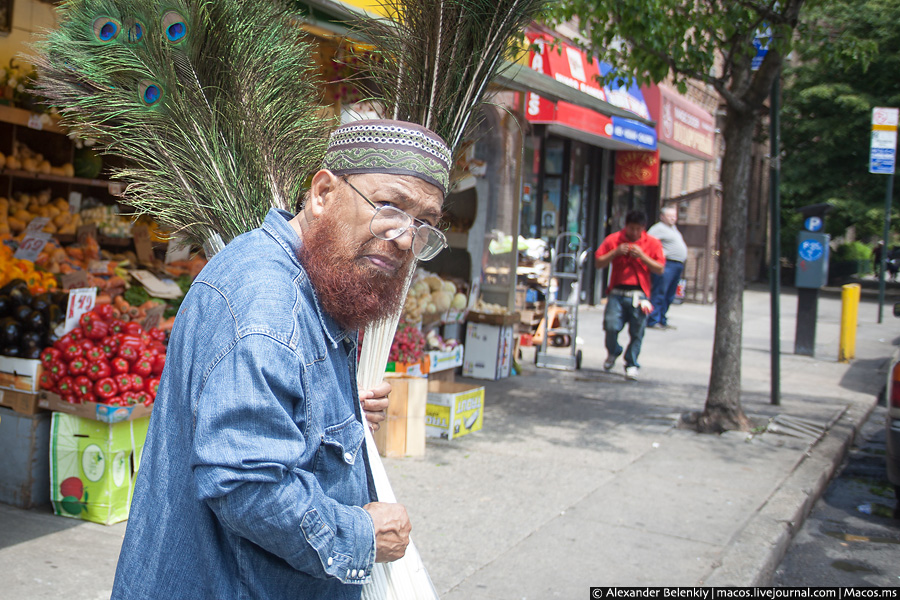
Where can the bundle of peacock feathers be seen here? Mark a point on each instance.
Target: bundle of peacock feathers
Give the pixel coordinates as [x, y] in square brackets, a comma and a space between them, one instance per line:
[213, 105]
[434, 59]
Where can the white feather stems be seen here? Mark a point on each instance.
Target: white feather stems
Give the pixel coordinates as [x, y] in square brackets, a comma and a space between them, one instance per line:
[406, 578]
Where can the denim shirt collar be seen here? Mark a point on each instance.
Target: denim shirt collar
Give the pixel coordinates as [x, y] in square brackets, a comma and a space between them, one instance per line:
[277, 225]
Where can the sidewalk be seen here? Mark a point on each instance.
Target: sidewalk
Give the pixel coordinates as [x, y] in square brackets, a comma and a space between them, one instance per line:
[582, 479]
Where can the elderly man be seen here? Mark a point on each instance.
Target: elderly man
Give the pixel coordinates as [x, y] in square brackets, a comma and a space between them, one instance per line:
[254, 480]
[633, 255]
[675, 250]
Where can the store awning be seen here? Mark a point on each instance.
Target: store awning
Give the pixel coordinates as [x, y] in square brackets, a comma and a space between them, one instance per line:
[685, 130]
[626, 126]
[329, 16]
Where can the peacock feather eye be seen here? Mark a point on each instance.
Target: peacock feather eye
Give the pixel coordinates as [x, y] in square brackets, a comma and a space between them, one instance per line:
[106, 29]
[135, 32]
[175, 26]
[150, 93]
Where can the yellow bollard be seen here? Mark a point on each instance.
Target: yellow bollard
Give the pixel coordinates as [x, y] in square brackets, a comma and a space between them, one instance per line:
[849, 314]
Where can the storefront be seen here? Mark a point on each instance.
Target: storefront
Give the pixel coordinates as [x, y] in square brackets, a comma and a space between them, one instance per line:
[569, 167]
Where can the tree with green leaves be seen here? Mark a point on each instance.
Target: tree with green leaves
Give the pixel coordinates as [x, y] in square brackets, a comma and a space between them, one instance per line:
[710, 41]
[827, 115]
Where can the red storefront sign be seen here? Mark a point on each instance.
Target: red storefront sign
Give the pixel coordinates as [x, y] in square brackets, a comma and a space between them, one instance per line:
[637, 167]
[570, 66]
[680, 123]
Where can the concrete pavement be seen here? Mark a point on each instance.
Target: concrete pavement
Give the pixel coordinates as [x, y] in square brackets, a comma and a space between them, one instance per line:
[583, 479]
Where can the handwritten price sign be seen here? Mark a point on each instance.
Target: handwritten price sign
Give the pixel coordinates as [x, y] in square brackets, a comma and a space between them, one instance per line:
[81, 300]
[31, 246]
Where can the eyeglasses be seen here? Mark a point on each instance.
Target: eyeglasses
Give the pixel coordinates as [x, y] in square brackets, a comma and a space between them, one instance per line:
[389, 223]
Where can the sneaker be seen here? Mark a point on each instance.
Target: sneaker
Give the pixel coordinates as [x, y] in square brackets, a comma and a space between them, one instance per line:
[631, 373]
[610, 362]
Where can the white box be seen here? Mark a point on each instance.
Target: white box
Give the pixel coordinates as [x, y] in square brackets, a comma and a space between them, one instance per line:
[488, 351]
[453, 409]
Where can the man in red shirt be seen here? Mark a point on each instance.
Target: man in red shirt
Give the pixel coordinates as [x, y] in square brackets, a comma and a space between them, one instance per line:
[634, 255]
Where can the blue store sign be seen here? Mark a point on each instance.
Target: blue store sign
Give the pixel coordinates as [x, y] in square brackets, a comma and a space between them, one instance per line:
[634, 133]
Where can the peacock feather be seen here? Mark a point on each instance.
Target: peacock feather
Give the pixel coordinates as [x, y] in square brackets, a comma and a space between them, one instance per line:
[213, 105]
[434, 59]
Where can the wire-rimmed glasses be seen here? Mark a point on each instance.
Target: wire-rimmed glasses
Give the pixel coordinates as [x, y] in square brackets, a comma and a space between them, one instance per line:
[389, 223]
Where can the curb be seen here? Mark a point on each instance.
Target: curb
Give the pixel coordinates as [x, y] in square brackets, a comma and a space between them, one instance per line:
[753, 554]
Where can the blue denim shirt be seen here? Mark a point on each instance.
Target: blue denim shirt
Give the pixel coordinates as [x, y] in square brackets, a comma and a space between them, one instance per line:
[253, 475]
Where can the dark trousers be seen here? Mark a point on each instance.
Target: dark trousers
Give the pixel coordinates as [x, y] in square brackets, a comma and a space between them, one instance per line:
[663, 291]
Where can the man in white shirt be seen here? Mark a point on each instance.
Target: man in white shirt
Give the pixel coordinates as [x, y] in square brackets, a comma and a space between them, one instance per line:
[675, 251]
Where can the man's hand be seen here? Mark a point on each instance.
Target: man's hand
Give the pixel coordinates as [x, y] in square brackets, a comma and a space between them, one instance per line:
[374, 403]
[392, 529]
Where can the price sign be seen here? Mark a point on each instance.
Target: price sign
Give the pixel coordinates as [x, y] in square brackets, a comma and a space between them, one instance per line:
[74, 202]
[37, 224]
[154, 316]
[81, 300]
[35, 122]
[74, 280]
[31, 246]
[178, 249]
[143, 247]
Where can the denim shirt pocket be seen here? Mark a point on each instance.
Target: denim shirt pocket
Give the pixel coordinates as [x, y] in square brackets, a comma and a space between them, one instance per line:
[340, 450]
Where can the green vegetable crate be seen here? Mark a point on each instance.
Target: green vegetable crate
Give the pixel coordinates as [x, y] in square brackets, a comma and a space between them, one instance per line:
[93, 466]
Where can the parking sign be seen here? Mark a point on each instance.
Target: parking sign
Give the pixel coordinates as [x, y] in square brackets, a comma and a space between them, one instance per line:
[883, 149]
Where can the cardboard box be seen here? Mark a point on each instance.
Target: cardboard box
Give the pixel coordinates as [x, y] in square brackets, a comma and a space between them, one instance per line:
[93, 410]
[453, 409]
[93, 467]
[25, 403]
[447, 359]
[488, 351]
[492, 319]
[24, 470]
[20, 374]
[419, 369]
[402, 433]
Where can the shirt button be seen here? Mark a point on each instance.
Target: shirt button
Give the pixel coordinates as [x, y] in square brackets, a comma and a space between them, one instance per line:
[362, 573]
[348, 573]
[353, 573]
[348, 457]
[330, 561]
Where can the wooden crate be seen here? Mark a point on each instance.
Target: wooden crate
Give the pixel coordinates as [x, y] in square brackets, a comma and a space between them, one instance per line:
[402, 433]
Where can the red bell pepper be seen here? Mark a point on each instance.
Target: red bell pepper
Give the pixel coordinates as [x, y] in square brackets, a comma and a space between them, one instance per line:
[46, 382]
[120, 365]
[142, 367]
[98, 369]
[86, 344]
[71, 399]
[78, 366]
[146, 354]
[72, 350]
[49, 355]
[105, 312]
[159, 362]
[141, 397]
[105, 388]
[66, 386]
[76, 334]
[123, 380]
[57, 369]
[152, 387]
[137, 382]
[133, 328]
[84, 388]
[157, 334]
[128, 352]
[95, 329]
[95, 353]
[109, 346]
[130, 398]
[116, 326]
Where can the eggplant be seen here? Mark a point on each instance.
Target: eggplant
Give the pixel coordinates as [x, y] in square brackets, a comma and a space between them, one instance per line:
[36, 322]
[20, 296]
[55, 314]
[32, 353]
[12, 285]
[42, 302]
[10, 332]
[12, 351]
[20, 313]
[5, 306]
[61, 299]
[50, 337]
[29, 341]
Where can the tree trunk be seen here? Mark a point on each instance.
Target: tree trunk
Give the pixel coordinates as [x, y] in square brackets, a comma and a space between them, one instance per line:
[723, 402]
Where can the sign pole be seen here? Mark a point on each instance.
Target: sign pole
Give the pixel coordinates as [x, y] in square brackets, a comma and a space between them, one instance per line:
[885, 247]
[775, 233]
[882, 158]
